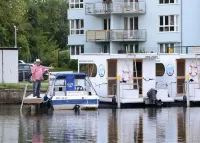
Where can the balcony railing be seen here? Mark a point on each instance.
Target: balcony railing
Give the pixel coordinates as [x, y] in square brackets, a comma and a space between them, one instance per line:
[128, 7]
[116, 35]
[97, 8]
[128, 35]
[115, 7]
[98, 35]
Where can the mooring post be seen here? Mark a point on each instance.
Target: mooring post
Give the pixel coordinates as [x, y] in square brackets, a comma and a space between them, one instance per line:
[187, 93]
[118, 92]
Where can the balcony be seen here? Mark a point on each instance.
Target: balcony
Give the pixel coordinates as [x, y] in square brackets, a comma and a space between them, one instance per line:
[128, 35]
[97, 8]
[97, 35]
[115, 8]
[115, 35]
[128, 7]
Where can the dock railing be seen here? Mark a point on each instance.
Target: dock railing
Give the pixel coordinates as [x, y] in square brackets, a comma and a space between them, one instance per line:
[25, 89]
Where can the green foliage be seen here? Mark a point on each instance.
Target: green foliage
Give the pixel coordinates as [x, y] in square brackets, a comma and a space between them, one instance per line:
[73, 64]
[64, 58]
[42, 28]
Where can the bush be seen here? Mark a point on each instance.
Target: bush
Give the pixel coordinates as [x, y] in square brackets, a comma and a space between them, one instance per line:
[73, 64]
[64, 59]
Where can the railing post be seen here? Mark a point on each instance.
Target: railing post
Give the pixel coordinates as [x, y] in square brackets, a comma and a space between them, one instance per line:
[118, 92]
[187, 93]
[186, 50]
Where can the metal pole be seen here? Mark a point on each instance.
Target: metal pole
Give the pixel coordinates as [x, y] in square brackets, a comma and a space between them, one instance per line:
[118, 91]
[15, 36]
[187, 93]
[23, 98]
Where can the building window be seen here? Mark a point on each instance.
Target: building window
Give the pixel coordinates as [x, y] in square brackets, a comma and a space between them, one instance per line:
[168, 1]
[130, 48]
[168, 23]
[160, 69]
[76, 27]
[167, 48]
[76, 3]
[76, 50]
[106, 49]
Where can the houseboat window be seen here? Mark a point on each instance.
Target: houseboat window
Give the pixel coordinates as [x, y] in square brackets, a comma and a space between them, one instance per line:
[160, 69]
[89, 69]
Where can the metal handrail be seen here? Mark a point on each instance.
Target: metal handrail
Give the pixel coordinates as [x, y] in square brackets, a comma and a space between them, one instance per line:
[115, 7]
[23, 98]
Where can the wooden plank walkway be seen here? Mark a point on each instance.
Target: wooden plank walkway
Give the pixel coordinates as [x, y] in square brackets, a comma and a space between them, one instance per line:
[33, 100]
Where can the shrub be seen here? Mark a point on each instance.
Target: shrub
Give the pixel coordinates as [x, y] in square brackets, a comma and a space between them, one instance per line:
[73, 64]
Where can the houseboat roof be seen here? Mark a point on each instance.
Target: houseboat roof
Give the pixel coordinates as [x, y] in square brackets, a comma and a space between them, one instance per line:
[77, 75]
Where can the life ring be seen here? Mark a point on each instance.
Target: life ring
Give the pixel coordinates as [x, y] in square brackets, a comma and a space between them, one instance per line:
[193, 70]
[127, 72]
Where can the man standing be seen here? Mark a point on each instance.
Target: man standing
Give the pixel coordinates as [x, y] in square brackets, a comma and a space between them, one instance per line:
[37, 75]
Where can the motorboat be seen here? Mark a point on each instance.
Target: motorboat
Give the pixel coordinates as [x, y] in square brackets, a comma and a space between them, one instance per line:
[69, 90]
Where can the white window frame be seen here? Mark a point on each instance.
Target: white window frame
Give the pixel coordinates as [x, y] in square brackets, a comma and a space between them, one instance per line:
[79, 47]
[166, 46]
[167, 2]
[171, 23]
[76, 30]
[76, 4]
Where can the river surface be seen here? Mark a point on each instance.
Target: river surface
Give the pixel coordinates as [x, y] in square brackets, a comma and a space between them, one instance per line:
[150, 125]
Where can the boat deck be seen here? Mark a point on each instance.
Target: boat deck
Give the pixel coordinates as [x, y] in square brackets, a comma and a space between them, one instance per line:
[33, 100]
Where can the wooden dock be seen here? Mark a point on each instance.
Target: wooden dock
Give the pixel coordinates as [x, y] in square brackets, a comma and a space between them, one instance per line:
[33, 100]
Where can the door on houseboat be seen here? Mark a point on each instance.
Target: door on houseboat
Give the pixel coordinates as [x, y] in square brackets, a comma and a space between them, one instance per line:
[180, 80]
[130, 27]
[139, 76]
[112, 77]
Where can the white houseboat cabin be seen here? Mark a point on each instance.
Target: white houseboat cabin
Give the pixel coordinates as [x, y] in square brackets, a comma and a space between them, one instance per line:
[141, 72]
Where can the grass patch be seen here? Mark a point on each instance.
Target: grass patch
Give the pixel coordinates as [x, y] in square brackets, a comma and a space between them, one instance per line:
[21, 85]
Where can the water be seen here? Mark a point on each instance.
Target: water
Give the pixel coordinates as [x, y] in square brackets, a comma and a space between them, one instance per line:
[166, 125]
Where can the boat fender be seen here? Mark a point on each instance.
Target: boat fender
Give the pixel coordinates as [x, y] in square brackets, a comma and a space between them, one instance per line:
[76, 107]
[184, 99]
[159, 103]
[114, 100]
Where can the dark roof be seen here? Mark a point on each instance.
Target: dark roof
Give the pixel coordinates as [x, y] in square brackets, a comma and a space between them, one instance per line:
[76, 74]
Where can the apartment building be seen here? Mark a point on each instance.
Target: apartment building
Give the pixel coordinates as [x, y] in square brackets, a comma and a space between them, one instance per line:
[134, 26]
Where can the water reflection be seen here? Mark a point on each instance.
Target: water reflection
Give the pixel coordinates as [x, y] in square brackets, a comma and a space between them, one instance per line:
[164, 125]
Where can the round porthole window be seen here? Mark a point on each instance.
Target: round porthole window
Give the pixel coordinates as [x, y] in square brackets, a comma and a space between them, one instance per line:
[160, 69]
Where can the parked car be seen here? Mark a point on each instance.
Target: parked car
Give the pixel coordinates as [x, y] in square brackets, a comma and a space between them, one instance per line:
[25, 72]
[21, 62]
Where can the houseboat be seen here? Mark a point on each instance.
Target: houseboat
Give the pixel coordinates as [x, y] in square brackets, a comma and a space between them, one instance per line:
[139, 73]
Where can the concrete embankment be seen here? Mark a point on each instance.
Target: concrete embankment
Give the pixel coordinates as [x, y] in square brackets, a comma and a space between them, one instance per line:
[13, 96]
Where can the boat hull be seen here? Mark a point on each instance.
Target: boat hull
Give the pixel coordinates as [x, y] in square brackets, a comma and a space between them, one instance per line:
[69, 103]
